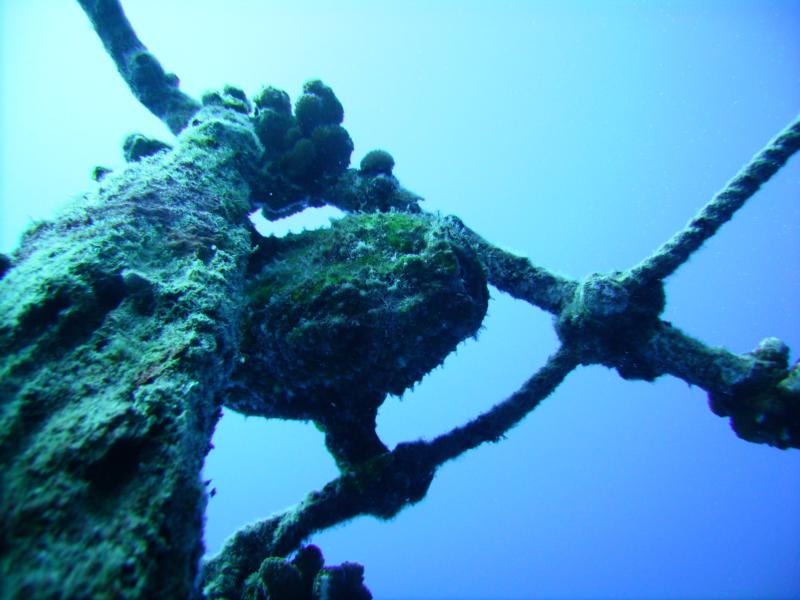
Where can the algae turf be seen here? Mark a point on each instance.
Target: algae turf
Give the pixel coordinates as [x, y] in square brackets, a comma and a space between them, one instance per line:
[338, 318]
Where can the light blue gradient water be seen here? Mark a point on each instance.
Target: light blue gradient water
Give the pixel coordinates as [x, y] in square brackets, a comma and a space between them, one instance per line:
[581, 135]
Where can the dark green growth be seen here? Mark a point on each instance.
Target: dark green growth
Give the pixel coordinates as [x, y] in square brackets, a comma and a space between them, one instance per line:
[765, 406]
[339, 318]
[99, 173]
[130, 320]
[5, 265]
[231, 97]
[303, 152]
[377, 162]
[607, 315]
[305, 578]
[136, 146]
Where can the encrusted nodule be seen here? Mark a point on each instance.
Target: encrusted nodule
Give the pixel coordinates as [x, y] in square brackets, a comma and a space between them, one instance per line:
[357, 311]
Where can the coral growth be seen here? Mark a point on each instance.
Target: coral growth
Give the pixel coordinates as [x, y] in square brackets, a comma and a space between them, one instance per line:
[136, 146]
[339, 318]
[377, 161]
[304, 151]
[306, 156]
[305, 578]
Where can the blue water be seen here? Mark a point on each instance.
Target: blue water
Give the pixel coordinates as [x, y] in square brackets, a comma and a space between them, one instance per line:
[581, 135]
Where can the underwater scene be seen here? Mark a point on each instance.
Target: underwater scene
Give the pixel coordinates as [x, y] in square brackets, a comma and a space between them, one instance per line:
[370, 299]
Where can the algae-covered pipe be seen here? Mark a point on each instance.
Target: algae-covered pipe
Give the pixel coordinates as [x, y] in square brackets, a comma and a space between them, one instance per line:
[117, 328]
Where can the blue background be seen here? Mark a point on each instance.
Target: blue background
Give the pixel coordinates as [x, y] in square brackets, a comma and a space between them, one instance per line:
[581, 135]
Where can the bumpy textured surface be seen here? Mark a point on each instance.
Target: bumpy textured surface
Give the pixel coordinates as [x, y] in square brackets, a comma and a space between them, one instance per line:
[5, 265]
[136, 146]
[306, 154]
[306, 578]
[377, 161]
[303, 152]
[153, 87]
[121, 322]
[607, 317]
[118, 325]
[339, 318]
[763, 400]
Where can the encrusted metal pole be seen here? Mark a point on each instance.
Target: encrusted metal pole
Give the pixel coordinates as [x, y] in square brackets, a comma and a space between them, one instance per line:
[117, 328]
